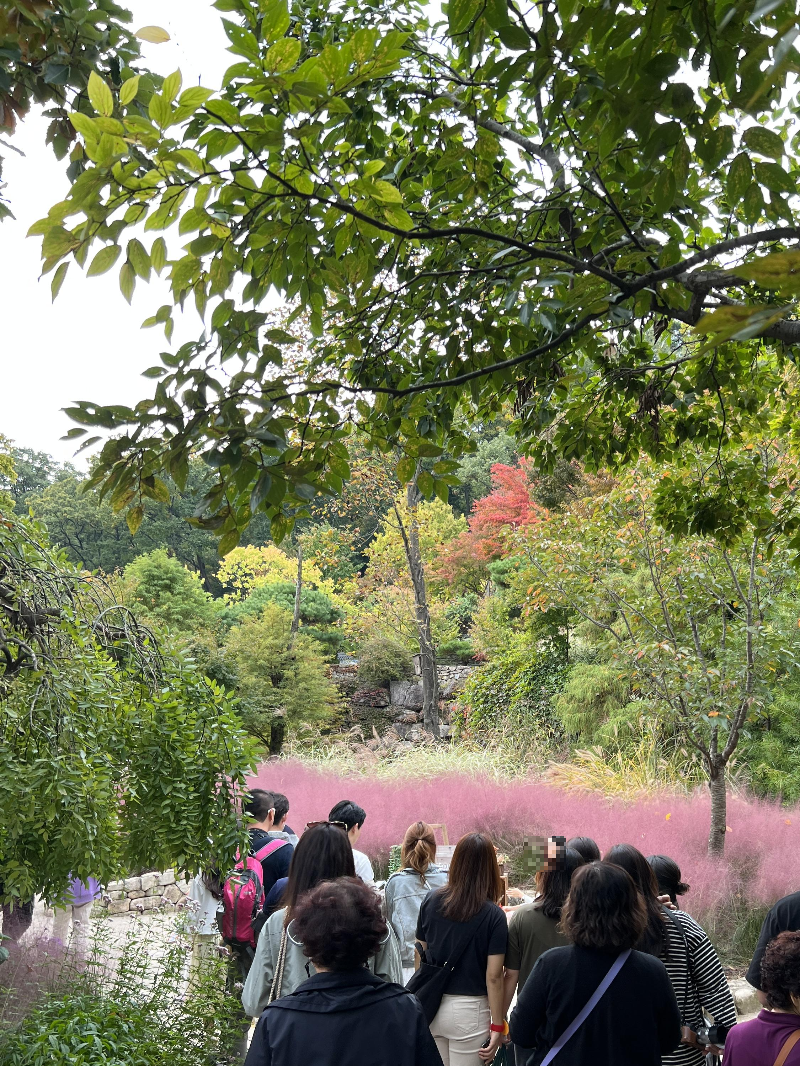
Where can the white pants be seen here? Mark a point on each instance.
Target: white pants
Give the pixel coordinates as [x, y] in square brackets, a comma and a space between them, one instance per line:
[74, 920]
[408, 973]
[460, 1029]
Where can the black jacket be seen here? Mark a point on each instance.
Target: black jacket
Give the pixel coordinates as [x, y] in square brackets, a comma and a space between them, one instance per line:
[344, 1019]
[784, 915]
[634, 1024]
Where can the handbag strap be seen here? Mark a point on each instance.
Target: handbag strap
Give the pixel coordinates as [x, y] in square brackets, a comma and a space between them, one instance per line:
[599, 992]
[280, 963]
[451, 963]
[786, 1047]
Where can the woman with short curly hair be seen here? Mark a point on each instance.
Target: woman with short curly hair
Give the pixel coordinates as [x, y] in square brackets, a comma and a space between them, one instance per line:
[343, 1015]
[775, 1031]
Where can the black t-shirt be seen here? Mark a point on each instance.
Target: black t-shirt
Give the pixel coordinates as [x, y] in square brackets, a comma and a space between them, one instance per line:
[785, 915]
[487, 934]
[276, 865]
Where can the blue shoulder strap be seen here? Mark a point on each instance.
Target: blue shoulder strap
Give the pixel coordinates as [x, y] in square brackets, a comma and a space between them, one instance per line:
[599, 992]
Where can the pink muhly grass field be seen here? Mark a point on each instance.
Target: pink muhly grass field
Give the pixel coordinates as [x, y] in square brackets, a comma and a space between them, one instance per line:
[762, 859]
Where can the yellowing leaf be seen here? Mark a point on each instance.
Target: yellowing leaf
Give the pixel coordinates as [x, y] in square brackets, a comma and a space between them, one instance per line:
[283, 55]
[781, 270]
[385, 192]
[153, 35]
[100, 95]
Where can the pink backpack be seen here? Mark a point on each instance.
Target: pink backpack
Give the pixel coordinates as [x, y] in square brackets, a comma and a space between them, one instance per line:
[243, 895]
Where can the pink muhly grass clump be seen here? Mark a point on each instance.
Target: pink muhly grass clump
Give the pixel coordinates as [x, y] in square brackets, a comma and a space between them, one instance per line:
[762, 859]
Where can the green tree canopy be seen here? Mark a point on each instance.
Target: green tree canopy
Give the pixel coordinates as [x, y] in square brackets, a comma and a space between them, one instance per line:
[280, 682]
[96, 537]
[48, 49]
[164, 593]
[115, 753]
[499, 206]
[696, 626]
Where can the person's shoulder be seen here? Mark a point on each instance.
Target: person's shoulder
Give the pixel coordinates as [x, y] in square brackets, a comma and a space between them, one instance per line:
[274, 924]
[494, 912]
[643, 963]
[690, 926]
[787, 908]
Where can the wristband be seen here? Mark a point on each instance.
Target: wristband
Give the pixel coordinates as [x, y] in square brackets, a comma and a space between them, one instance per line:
[498, 1028]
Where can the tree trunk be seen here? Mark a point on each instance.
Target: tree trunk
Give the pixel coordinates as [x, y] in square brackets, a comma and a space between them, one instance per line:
[427, 652]
[277, 734]
[297, 592]
[719, 807]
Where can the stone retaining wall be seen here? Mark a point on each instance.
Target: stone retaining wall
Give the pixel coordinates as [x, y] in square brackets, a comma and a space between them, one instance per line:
[150, 892]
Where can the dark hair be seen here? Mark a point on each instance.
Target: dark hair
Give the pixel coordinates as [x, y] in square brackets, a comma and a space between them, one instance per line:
[604, 909]
[668, 875]
[323, 853]
[281, 805]
[654, 938]
[258, 804]
[419, 847]
[553, 884]
[780, 970]
[340, 924]
[348, 812]
[474, 878]
[585, 846]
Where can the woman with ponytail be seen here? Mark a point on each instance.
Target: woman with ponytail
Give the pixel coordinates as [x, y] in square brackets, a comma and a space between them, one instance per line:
[408, 887]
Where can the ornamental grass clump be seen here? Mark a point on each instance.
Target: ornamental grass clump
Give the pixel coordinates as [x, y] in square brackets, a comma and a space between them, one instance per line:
[729, 896]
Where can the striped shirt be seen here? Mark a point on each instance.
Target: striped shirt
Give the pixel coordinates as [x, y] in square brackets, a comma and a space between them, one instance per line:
[701, 987]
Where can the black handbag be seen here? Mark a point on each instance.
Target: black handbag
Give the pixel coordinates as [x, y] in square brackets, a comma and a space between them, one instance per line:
[430, 981]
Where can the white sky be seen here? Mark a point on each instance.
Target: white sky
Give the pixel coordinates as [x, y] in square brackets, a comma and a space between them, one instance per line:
[88, 345]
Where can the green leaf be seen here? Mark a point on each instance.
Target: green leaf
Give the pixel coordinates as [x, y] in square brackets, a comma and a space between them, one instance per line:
[172, 86]
[276, 20]
[764, 141]
[127, 280]
[461, 13]
[58, 279]
[740, 174]
[128, 90]
[222, 312]
[87, 127]
[139, 259]
[158, 254]
[58, 241]
[386, 193]
[100, 95]
[228, 542]
[398, 217]
[104, 260]
[514, 37]
[774, 177]
[192, 98]
[160, 111]
[283, 55]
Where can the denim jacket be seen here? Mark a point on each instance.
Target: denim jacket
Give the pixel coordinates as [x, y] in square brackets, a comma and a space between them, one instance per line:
[405, 891]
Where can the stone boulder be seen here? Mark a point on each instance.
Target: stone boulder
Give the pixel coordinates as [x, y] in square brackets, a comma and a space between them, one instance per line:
[407, 694]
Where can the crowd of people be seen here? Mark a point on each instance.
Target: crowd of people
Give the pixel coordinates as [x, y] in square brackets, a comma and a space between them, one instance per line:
[432, 969]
